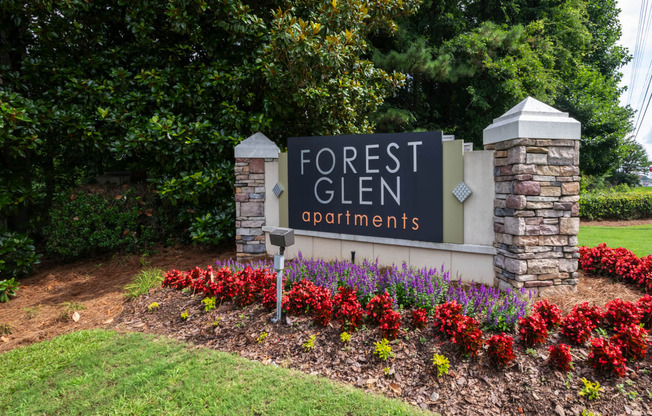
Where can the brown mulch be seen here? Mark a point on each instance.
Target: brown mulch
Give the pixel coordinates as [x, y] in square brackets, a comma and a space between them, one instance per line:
[39, 312]
[472, 386]
[596, 290]
[617, 223]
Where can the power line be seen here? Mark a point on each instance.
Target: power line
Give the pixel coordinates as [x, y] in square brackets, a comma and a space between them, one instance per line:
[639, 55]
[639, 119]
[637, 49]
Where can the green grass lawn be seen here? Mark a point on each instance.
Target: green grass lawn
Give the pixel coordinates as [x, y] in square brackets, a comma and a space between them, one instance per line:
[643, 190]
[637, 238]
[102, 372]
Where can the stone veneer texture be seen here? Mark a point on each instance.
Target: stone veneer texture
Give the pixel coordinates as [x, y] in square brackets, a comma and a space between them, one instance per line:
[536, 214]
[249, 207]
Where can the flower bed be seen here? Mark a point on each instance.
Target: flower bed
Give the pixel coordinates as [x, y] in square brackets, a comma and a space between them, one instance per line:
[309, 292]
[618, 263]
[415, 288]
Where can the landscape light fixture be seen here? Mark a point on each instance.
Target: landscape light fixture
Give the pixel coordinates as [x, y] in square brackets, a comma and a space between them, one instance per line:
[280, 237]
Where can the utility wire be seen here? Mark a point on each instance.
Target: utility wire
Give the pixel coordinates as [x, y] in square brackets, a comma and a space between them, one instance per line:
[646, 85]
[639, 56]
[637, 49]
[639, 118]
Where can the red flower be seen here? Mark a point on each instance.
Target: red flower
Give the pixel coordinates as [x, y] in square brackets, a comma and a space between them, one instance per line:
[419, 318]
[560, 357]
[348, 311]
[467, 335]
[446, 316]
[307, 298]
[549, 313]
[533, 330]
[595, 314]
[577, 327]
[501, 349]
[606, 357]
[644, 305]
[176, 279]
[621, 313]
[632, 340]
[378, 305]
[617, 263]
[389, 324]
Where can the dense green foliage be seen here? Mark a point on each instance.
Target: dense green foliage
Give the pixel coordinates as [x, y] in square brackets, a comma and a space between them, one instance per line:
[620, 206]
[469, 61]
[89, 223]
[103, 372]
[17, 255]
[635, 161]
[166, 89]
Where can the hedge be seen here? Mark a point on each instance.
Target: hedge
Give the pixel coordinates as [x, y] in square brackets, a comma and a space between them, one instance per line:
[616, 206]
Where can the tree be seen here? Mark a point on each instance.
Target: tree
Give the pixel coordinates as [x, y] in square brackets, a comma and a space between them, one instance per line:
[169, 88]
[469, 61]
[635, 161]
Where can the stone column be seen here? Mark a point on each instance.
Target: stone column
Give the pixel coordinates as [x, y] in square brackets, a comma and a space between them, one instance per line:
[250, 157]
[536, 208]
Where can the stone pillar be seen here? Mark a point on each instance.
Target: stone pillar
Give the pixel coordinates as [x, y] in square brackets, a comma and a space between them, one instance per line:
[536, 207]
[250, 157]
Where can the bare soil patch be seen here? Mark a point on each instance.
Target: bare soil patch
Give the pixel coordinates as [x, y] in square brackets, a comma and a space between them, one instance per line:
[472, 387]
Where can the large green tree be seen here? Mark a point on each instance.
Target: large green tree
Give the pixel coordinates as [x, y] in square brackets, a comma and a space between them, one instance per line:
[169, 87]
[469, 61]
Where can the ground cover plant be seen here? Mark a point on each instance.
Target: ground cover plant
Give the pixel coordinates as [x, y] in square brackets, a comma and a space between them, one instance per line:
[104, 372]
[145, 280]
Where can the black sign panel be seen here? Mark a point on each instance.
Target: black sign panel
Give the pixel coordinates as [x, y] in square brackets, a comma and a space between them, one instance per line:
[384, 185]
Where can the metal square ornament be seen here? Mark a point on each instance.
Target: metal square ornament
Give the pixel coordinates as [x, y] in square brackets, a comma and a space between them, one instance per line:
[462, 192]
[278, 189]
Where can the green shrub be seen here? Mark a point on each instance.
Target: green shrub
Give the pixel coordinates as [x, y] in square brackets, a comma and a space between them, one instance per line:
[17, 255]
[616, 206]
[213, 227]
[8, 289]
[99, 220]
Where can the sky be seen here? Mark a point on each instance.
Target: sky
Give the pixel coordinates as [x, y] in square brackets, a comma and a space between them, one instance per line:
[629, 19]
